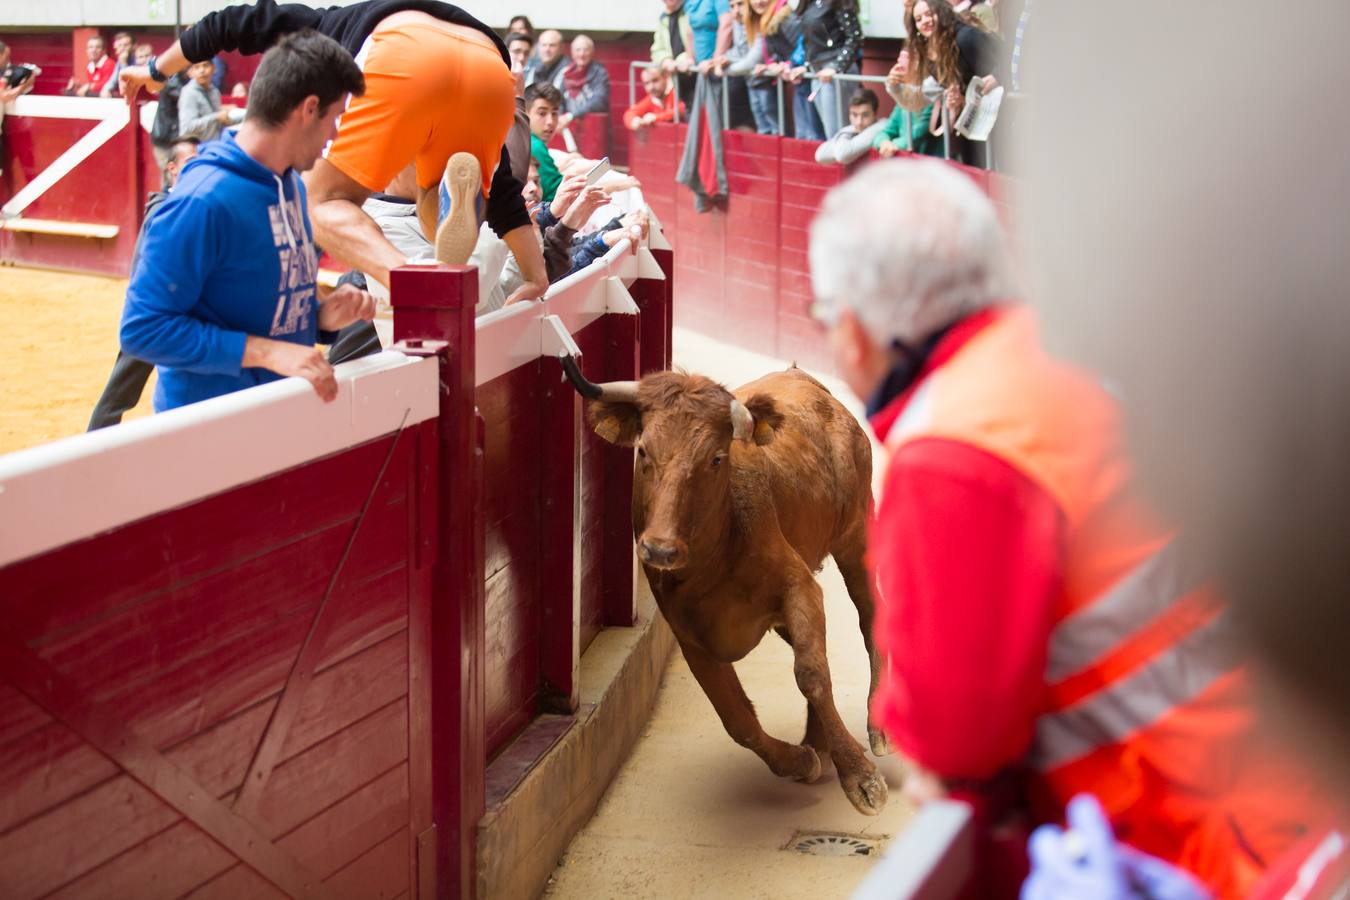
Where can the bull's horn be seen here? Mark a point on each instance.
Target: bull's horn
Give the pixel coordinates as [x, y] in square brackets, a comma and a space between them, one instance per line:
[742, 423]
[614, 391]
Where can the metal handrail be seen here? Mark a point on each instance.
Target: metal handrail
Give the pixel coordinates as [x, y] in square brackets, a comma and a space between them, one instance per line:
[839, 105]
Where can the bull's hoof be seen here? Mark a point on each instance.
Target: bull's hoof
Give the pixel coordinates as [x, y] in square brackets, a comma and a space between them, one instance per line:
[811, 771]
[867, 792]
[881, 745]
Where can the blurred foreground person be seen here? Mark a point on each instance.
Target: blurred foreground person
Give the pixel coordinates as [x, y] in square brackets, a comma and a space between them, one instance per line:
[1046, 633]
[1214, 297]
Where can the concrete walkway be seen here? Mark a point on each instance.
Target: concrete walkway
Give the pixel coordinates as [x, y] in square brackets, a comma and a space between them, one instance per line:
[692, 815]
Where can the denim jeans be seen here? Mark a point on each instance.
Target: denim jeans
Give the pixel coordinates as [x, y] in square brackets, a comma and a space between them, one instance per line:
[764, 104]
[827, 106]
[832, 101]
[808, 124]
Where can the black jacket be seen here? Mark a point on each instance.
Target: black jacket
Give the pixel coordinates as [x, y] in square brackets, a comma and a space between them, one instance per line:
[253, 29]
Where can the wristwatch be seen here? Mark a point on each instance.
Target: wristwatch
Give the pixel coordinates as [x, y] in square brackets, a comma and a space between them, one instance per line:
[155, 74]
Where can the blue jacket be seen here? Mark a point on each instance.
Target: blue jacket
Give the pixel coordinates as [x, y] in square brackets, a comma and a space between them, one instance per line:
[224, 257]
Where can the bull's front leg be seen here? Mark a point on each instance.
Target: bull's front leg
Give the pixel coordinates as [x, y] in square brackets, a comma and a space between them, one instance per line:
[804, 610]
[723, 687]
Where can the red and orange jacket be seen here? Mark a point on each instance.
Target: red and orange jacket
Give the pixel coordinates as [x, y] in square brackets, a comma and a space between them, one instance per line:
[665, 110]
[1036, 616]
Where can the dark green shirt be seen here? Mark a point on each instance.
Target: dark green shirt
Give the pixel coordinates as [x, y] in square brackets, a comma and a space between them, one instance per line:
[549, 176]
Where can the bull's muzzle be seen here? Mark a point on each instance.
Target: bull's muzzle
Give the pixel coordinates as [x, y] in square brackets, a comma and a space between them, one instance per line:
[663, 554]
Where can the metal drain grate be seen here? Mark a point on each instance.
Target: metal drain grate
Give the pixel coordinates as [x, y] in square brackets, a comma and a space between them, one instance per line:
[834, 843]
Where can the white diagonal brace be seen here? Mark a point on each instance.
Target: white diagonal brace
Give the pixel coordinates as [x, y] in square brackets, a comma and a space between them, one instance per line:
[617, 298]
[77, 153]
[555, 340]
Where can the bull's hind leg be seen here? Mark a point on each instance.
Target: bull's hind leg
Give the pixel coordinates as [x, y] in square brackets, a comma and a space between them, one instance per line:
[720, 682]
[849, 558]
[815, 737]
[804, 610]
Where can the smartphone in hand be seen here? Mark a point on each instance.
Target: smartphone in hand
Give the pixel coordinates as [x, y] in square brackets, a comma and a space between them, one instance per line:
[597, 172]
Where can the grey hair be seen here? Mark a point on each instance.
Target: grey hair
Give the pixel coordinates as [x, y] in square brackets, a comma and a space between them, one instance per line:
[910, 246]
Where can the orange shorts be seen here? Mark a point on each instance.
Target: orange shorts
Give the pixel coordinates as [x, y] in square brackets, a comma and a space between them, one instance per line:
[431, 92]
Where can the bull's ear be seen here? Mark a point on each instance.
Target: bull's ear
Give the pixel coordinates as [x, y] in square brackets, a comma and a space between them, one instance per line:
[617, 422]
[767, 418]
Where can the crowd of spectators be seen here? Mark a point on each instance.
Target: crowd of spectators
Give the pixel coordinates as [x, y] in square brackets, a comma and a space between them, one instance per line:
[796, 50]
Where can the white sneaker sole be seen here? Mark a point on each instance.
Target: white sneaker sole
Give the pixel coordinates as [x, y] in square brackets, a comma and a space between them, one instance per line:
[458, 233]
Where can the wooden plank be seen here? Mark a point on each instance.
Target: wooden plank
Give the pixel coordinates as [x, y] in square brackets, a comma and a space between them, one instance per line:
[174, 787]
[381, 872]
[305, 785]
[200, 539]
[182, 857]
[67, 229]
[45, 853]
[43, 768]
[170, 709]
[168, 865]
[18, 714]
[237, 882]
[121, 652]
[358, 823]
[348, 692]
[302, 671]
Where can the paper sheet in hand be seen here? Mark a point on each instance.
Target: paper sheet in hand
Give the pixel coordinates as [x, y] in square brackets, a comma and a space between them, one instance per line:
[980, 113]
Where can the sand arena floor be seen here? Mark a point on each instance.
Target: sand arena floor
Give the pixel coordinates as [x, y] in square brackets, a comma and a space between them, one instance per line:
[58, 349]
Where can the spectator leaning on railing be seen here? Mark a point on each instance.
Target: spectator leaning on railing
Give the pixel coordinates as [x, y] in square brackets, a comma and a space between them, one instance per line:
[854, 140]
[673, 47]
[584, 83]
[747, 59]
[657, 106]
[907, 129]
[773, 23]
[832, 39]
[953, 52]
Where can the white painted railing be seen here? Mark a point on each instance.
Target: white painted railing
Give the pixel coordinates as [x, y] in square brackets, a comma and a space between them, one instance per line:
[74, 488]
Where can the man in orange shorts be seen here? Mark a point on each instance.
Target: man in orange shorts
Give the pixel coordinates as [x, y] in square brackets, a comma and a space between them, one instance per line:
[440, 97]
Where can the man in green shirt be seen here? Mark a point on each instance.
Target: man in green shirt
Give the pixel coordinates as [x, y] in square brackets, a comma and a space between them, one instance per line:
[543, 103]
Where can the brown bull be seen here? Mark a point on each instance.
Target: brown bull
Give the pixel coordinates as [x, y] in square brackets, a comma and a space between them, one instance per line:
[737, 500]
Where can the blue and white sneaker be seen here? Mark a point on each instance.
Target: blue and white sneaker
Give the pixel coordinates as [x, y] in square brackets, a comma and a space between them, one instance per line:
[461, 209]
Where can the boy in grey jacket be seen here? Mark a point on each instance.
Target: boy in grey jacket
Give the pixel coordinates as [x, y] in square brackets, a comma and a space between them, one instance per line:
[200, 113]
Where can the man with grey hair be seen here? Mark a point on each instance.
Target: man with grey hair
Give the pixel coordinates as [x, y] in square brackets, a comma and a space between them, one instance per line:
[1045, 636]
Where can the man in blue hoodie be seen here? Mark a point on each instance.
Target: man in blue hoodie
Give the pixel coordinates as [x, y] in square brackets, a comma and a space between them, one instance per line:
[223, 295]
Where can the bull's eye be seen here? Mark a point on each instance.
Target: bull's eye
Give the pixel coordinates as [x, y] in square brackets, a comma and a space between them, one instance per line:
[716, 460]
[642, 453]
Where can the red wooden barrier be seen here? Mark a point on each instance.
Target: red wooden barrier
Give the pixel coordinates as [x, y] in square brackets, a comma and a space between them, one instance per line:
[278, 670]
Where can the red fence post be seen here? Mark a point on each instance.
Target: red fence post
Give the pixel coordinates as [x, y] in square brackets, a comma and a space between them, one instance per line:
[618, 582]
[653, 298]
[559, 551]
[435, 304]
